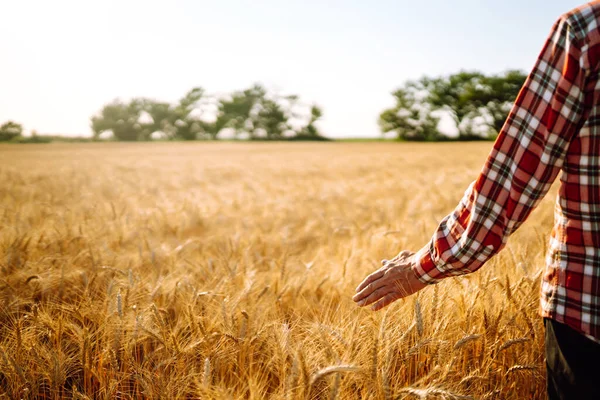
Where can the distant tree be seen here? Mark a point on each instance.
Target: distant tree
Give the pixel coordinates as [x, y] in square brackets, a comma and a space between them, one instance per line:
[187, 125]
[10, 130]
[123, 119]
[472, 100]
[272, 118]
[163, 118]
[238, 111]
[174, 121]
[310, 130]
[212, 129]
[253, 112]
[497, 95]
[411, 118]
[455, 95]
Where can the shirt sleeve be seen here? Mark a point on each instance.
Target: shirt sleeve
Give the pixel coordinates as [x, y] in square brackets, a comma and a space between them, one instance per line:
[519, 171]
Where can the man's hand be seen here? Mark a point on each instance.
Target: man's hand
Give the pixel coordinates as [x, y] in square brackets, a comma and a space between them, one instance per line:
[395, 280]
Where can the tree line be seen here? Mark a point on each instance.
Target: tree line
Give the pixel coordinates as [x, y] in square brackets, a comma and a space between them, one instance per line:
[476, 105]
[253, 113]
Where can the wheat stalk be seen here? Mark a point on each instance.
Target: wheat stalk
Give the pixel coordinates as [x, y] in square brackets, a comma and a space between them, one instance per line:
[518, 368]
[464, 340]
[206, 375]
[324, 372]
[426, 393]
[512, 342]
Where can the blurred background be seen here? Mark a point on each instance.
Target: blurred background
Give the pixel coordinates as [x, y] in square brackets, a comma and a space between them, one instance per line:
[140, 70]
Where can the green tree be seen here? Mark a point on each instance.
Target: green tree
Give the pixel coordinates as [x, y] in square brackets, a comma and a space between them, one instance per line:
[272, 118]
[497, 96]
[123, 119]
[411, 117]
[243, 110]
[471, 99]
[163, 118]
[310, 130]
[176, 121]
[253, 112]
[10, 130]
[455, 94]
[187, 125]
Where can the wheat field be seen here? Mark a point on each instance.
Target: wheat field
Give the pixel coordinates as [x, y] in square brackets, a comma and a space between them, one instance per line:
[226, 271]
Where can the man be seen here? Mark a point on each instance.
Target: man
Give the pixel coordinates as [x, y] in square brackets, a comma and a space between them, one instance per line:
[554, 126]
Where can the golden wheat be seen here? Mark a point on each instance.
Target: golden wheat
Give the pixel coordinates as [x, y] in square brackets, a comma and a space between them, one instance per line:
[226, 270]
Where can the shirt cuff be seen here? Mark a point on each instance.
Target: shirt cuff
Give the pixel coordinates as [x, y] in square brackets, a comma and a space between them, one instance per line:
[425, 268]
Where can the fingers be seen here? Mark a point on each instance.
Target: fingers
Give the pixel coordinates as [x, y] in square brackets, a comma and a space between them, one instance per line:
[404, 254]
[371, 278]
[385, 301]
[370, 289]
[395, 280]
[382, 277]
[376, 295]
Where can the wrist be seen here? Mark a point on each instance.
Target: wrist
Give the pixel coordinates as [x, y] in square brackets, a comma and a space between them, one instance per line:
[425, 268]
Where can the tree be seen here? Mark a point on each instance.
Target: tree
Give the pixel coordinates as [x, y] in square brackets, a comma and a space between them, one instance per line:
[240, 110]
[123, 119]
[253, 112]
[497, 96]
[187, 126]
[272, 118]
[163, 118]
[411, 118]
[473, 100]
[455, 94]
[310, 130]
[10, 130]
[176, 121]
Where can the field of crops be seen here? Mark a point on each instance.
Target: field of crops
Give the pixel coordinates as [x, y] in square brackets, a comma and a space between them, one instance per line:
[226, 270]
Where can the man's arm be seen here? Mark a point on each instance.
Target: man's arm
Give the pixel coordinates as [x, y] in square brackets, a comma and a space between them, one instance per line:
[524, 162]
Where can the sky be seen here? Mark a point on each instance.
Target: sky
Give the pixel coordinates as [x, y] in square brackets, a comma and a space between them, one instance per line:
[62, 60]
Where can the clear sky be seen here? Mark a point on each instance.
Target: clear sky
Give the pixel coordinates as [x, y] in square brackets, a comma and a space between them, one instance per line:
[62, 60]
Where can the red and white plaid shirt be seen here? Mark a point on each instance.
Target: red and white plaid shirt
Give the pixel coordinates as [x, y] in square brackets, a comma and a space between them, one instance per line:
[554, 126]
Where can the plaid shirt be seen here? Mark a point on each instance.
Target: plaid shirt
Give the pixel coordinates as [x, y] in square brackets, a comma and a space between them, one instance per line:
[554, 126]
